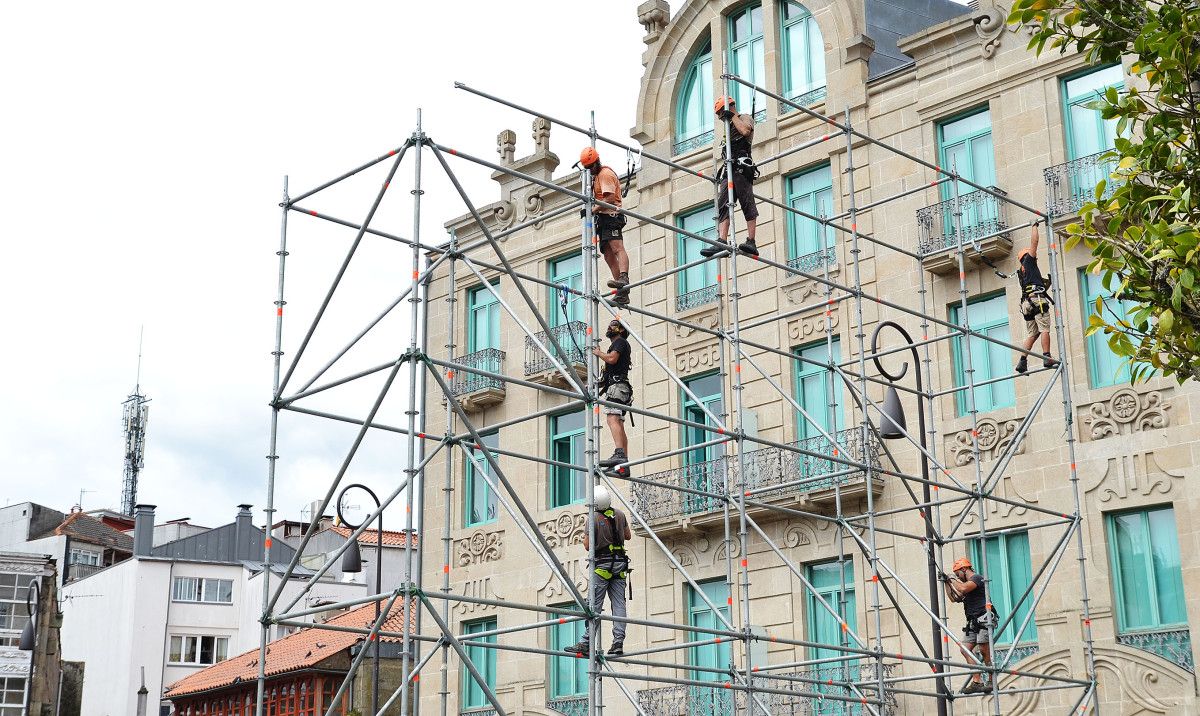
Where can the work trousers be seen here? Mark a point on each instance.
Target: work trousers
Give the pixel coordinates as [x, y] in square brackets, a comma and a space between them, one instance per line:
[615, 589]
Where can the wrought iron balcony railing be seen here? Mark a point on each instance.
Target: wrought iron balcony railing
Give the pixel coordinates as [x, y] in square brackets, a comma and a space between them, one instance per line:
[1072, 184]
[571, 336]
[794, 473]
[699, 297]
[489, 359]
[686, 145]
[981, 216]
[1174, 645]
[814, 262]
[804, 99]
[569, 705]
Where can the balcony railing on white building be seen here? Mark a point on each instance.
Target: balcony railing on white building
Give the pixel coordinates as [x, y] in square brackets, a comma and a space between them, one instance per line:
[465, 382]
[981, 215]
[1072, 184]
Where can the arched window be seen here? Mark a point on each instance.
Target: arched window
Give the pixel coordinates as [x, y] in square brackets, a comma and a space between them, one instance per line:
[694, 114]
[747, 58]
[803, 55]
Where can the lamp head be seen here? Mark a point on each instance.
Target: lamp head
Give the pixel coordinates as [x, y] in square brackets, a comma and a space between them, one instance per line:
[27, 637]
[892, 424]
[352, 558]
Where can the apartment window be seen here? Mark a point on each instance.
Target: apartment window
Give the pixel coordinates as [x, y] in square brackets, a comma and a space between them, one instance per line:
[965, 146]
[803, 55]
[484, 658]
[1009, 574]
[694, 114]
[702, 471]
[13, 590]
[1143, 549]
[697, 284]
[703, 699]
[567, 271]
[201, 650]
[820, 392]
[483, 319]
[746, 55]
[809, 242]
[1088, 132]
[481, 500]
[566, 446]
[201, 589]
[568, 674]
[834, 582]
[1104, 366]
[84, 556]
[12, 696]
[987, 315]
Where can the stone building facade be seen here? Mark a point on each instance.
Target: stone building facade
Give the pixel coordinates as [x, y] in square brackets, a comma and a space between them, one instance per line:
[958, 88]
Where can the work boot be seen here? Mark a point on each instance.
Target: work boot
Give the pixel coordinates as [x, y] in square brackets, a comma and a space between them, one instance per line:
[986, 687]
[617, 458]
[1048, 361]
[711, 250]
[621, 281]
[749, 248]
[581, 648]
[974, 687]
[1022, 365]
[617, 649]
[621, 298]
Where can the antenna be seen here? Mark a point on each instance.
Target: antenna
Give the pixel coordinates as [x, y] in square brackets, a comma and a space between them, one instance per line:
[135, 415]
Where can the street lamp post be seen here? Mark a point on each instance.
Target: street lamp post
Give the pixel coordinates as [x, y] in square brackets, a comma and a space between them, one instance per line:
[352, 563]
[29, 633]
[892, 427]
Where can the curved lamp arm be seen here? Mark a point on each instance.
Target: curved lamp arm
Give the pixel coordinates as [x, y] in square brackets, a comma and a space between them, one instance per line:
[369, 491]
[875, 350]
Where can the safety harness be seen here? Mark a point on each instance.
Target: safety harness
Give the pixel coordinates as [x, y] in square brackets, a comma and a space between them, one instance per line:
[1036, 299]
[612, 562]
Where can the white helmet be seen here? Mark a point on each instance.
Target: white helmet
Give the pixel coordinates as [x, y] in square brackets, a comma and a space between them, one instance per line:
[602, 500]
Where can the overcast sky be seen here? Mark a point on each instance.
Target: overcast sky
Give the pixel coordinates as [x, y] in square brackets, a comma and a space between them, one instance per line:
[143, 153]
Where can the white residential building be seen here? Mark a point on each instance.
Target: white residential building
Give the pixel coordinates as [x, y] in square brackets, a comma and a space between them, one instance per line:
[79, 543]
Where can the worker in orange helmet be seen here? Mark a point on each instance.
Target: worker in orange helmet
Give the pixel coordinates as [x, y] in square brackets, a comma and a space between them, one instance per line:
[1035, 303]
[606, 187]
[744, 173]
[970, 589]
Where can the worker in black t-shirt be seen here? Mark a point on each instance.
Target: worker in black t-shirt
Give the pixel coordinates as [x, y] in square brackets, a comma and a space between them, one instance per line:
[1035, 304]
[970, 589]
[614, 385]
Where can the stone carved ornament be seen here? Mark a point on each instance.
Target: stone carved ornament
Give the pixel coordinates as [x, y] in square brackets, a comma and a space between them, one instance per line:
[704, 320]
[480, 588]
[1124, 413]
[480, 547]
[1136, 474]
[654, 16]
[994, 438]
[698, 359]
[991, 24]
[552, 587]
[799, 293]
[810, 327]
[1140, 679]
[565, 531]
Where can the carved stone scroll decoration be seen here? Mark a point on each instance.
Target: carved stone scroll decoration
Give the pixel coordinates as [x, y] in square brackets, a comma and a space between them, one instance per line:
[1136, 474]
[1126, 412]
[698, 360]
[552, 587]
[481, 588]
[480, 547]
[565, 531]
[810, 327]
[994, 437]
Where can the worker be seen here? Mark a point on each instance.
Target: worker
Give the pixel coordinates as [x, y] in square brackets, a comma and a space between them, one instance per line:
[610, 571]
[970, 589]
[606, 187]
[615, 386]
[744, 174]
[1035, 303]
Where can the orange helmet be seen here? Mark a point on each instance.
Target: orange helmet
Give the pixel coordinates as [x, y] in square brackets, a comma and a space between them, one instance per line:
[589, 156]
[723, 102]
[962, 563]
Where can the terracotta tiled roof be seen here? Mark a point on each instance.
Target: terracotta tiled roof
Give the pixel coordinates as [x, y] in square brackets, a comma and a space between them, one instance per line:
[301, 650]
[369, 537]
[86, 528]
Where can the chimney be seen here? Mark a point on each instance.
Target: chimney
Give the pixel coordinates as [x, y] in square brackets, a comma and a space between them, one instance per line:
[243, 535]
[143, 530]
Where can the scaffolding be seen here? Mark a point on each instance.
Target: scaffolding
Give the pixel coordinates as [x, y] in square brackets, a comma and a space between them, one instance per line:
[863, 677]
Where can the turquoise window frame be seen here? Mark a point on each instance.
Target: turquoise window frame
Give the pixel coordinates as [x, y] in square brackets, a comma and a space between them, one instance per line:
[811, 191]
[754, 45]
[1105, 367]
[817, 401]
[819, 623]
[480, 301]
[695, 99]
[484, 658]
[699, 471]
[977, 170]
[568, 674]
[477, 487]
[1100, 126]
[704, 699]
[1153, 584]
[803, 26]
[999, 359]
[1009, 574]
[696, 278]
[566, 485]
[561, 273]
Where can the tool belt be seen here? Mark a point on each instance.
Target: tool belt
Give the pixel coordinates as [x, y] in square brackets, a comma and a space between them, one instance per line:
[617, 389]
[977, 623]
[1035, 301]
[609, 226]
[745, 166]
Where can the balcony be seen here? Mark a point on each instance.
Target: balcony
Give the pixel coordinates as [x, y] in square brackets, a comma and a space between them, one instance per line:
[1174, 645]
[79, 570]
[686, 145]
[697, 700]
[699, 297]
[804, 99]
[573, 339]
[569, 705]
[476, 392]
[984, 221]
[805, 482]
[1072, 184]
[814, 263]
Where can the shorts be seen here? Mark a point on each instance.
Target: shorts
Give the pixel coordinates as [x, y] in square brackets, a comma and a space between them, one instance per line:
[982, 629]
[743, 194]
[618, 393]
[1039, 324]
[608, 228]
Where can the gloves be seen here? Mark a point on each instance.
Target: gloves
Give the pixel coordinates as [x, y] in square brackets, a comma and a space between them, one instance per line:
[725, 114]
